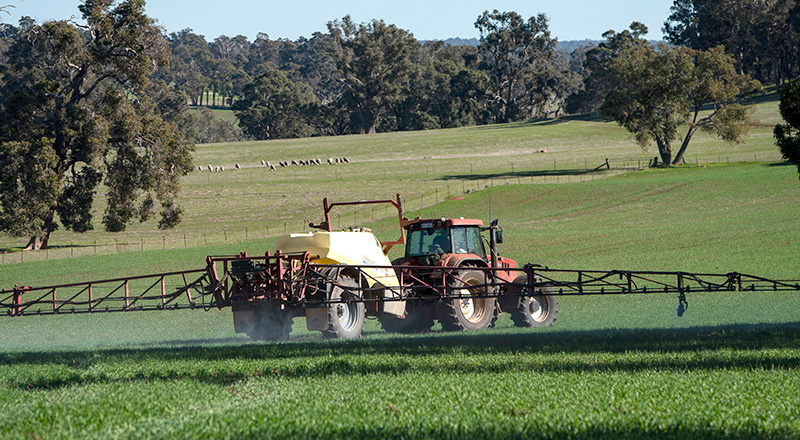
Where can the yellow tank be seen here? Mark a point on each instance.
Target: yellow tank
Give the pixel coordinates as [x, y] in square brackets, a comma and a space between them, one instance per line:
[356, 247]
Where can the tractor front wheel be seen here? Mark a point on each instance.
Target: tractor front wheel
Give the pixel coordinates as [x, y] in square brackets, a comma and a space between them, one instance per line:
[467, 314]
[345, 318]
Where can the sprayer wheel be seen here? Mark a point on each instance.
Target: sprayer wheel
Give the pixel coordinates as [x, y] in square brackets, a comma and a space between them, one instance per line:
[345, 319]
[531, 311]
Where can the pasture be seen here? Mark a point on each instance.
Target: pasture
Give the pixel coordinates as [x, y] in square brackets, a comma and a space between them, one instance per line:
[611, 367]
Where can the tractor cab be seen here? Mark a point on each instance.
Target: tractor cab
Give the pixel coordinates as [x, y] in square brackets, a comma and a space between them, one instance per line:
[434, 242]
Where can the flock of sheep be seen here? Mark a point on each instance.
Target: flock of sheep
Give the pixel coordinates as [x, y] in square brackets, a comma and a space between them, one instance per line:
[288, 163]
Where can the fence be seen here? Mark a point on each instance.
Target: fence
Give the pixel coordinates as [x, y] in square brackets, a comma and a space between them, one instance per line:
[437, 190]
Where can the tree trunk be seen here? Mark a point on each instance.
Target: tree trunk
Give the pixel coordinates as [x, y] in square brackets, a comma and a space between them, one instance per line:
[39, 241]
[665, 151]
[685, 144]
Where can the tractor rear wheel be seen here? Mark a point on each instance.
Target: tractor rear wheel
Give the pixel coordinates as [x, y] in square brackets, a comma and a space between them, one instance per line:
[346, 318]
[271, 323]
[532, 311]
[467, 314]
[418, 318]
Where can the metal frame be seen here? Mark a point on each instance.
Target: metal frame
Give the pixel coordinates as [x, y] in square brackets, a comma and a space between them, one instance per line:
[294, 281]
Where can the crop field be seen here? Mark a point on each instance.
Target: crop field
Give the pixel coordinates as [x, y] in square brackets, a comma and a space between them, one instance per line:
[611, 367]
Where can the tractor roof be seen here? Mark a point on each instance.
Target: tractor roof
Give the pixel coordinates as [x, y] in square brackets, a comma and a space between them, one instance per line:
[443, 222]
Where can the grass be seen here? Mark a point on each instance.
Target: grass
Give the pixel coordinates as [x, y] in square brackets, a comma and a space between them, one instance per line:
[621, 367]
[424, 166]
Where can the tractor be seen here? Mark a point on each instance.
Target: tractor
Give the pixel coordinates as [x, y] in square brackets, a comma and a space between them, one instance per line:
[446, 272]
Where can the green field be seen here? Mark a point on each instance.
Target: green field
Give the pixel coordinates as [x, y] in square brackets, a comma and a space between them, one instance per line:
[611, 367]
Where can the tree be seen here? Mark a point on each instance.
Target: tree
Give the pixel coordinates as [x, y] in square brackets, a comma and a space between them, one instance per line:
[375, 61]
[4, 10]
[273, 107]
[761, 35]
[552, 86]
[787, 136]
[659, 90]
[597, 80]
[190, 62]
[74, 111]
[513, 50]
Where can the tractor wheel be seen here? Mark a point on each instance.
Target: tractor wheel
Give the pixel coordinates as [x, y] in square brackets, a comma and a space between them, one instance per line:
[532, 311]
[271, 323]
[466, 314]
[418, 318]
[345, 319]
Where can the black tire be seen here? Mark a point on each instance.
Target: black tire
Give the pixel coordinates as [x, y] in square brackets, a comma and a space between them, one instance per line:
[531, 311]
[418, 318]
[467, 314]
[271, 323]
[345, 319]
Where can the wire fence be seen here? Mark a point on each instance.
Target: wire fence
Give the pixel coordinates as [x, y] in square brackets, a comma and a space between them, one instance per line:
[435, 192]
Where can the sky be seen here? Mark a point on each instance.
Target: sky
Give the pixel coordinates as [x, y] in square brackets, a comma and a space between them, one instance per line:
[426, 19]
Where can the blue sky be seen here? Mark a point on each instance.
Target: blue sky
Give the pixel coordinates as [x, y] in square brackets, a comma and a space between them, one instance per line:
[426, 19]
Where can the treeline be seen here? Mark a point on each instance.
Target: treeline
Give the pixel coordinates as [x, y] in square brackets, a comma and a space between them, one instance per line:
[375, 77]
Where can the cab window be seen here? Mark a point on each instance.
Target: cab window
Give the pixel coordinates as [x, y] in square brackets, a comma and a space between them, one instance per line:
[475, 242]
[429, 241]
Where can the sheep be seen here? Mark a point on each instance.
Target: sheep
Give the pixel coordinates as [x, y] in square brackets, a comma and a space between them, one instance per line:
[210, 170]
[237, 166]
[199, 168]
[294, 162]
[346, 160]
[272, 167]
[330, 161]
[216, 169]
[263, 163]
[222, 168]
[268, 164]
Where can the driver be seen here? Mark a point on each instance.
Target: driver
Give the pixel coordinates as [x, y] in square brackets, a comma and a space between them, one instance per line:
[440, 245]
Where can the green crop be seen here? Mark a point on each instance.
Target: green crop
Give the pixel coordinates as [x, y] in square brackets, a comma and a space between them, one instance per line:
[611, 367]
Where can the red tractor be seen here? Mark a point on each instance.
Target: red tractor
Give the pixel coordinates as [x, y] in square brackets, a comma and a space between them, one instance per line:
[434, 244]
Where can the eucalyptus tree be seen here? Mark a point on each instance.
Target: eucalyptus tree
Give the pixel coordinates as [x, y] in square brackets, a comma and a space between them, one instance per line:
[660, 90]
[375, 61]
[597, 79]
[515, 53]
[763, 36]
[75, 112]
[273, 106]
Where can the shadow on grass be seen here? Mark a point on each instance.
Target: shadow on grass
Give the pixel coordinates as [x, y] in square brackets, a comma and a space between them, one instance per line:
[781, 164]
[514, 350]
[14, 249]
[536, 429]
[542, 122]
[522, 174]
